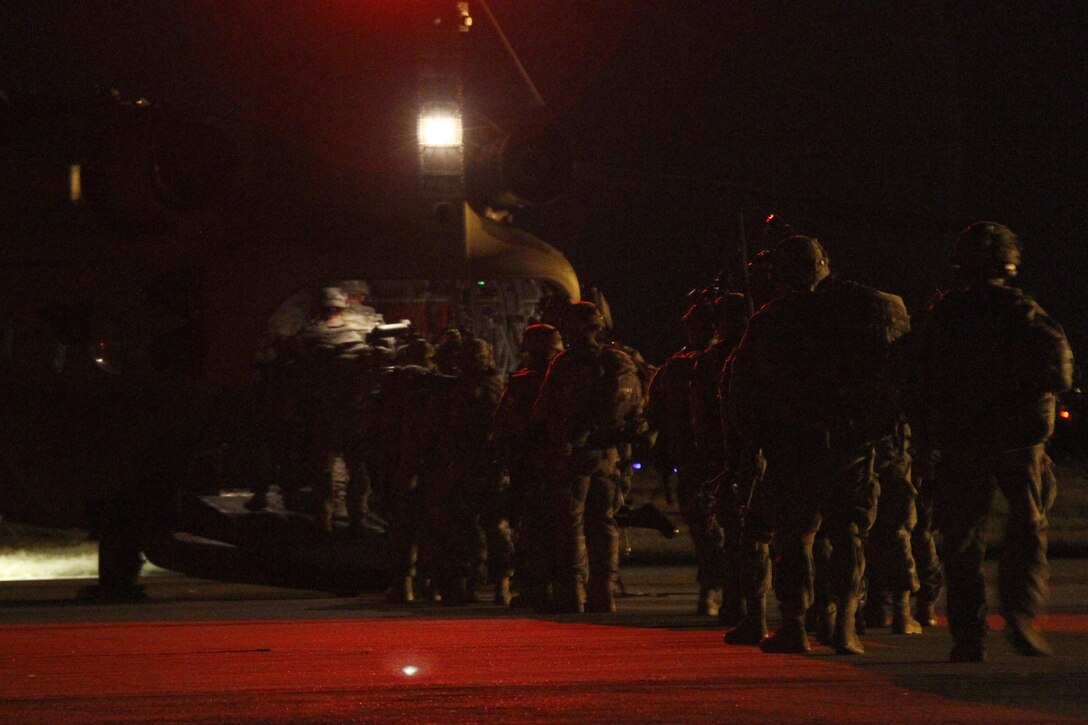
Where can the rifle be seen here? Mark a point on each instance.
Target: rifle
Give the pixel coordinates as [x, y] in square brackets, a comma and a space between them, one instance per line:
[646, 516]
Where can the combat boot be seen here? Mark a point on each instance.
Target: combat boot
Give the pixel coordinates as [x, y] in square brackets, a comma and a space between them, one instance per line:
[902, 621]
[926, 613]
[752, 628]
[569, 598]
[326, 517]
[531, 596]
[707, 605]
[845, 638]
[502, 591]
[401, 592]
[457, 593]
[732, 609]
[1024, 636]
[791, 638]
[875, 613]
[600, 600]
[825, 623]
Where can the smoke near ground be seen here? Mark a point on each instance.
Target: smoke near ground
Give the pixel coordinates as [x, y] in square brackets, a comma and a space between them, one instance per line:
[70, 562]
[32, 553]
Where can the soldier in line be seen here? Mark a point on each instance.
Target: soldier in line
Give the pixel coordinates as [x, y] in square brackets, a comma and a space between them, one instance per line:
[891, 576]
[331, 353]
[518, 443]
[668, 411]
[357, 315]
[926, 559]
[405, 468]
[467, 501]
[809, 386]
[991, 362]
[589, 404]
[729, 316]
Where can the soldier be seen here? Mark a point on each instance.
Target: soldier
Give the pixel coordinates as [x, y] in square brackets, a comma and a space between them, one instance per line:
[668, 410]
[991, 363]
[447, 354]
[330, 352]
[809, 385]
[891, 574]
[926, 559]
[518, 444]
[417, 352]
[404, 432]
[730, 319]
[358, 316]
[590, 403]
[468, 498]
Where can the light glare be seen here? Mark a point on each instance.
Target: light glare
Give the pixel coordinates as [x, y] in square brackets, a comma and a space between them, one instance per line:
[439, 129]
[75, 183]
[410, 670]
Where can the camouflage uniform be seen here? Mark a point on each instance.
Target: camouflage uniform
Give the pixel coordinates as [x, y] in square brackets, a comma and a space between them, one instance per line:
[404, 466]
[588, 403]
[991, 363]
[926, 559]
[330, 354]
[891, 574]
[469, 496]
[518, 439]
[627, 448]
[729, 313]
[668, 410]
[809, 385]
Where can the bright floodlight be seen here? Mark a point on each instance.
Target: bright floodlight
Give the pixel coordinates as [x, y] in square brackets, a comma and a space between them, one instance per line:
[439, 128]
[410, 670]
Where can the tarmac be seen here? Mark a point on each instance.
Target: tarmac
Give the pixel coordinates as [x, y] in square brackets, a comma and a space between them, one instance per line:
[201, 651]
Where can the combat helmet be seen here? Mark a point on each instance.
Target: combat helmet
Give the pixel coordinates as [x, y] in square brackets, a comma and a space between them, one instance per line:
[541, 340]
[761, 278]
[800, 262]
[986, 250]
[698, 324]
[730, 311]
[417, 352]
[333, 298]
[447, 354]
[582, 318]
[476, 355]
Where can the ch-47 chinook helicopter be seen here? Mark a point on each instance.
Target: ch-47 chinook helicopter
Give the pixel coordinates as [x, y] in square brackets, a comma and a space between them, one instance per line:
[146, 250]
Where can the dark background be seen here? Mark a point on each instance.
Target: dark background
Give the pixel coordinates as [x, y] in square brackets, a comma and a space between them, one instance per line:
[881, 128]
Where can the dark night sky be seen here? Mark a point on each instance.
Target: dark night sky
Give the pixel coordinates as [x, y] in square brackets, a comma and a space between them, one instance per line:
[881, 128]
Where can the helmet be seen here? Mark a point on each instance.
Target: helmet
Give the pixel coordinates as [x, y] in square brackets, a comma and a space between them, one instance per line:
[800, 262]
[541, 340]
[476, 355]
[761, 277]
[333, 297]
[447, 355]
[355, 288]
[987, 249]
[697, 314]
[583, 317]
[730, 311]
[417, 352]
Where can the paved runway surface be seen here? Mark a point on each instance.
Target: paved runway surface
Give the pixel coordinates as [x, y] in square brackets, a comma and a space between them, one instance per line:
[215, 653]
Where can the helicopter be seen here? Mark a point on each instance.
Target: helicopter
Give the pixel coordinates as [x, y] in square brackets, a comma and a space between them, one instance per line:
[152, 253]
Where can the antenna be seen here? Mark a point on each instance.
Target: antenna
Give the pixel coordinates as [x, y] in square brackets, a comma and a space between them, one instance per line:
[537, 98]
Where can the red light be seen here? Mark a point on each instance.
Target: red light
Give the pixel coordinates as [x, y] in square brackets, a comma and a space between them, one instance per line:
[1065, 414]
[768, 219]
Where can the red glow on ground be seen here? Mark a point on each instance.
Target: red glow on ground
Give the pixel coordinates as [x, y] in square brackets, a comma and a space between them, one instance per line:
[468, 670]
